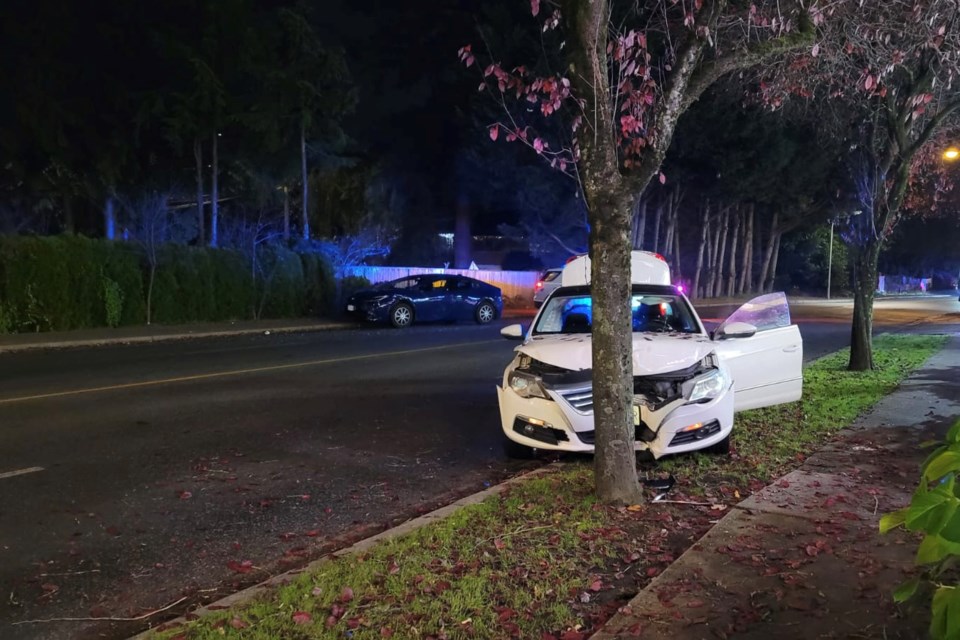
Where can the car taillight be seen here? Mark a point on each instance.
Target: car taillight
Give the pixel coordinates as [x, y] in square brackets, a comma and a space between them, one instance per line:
[539, 285]
[658, 257]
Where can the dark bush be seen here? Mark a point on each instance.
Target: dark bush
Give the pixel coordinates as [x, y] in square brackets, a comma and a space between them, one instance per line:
[72, 282]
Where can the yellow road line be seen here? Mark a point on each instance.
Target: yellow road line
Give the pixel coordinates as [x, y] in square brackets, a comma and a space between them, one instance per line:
[238, 372]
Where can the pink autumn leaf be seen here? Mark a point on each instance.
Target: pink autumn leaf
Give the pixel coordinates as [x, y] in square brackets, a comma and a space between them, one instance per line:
[301, 617]
[538, 145]
[534, 7]
[494, 132]
[346, 595]
[663, 178]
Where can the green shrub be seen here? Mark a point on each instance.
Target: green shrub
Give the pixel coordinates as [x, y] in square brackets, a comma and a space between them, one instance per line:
[112, 301]
[934, 512]
[351, 284]
[72, 282]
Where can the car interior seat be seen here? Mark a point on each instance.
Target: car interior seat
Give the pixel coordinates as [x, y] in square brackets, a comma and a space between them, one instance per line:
[576, 323]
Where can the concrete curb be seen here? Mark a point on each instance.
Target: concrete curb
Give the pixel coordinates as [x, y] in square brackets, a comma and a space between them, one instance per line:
[100, 342]
[251, 593]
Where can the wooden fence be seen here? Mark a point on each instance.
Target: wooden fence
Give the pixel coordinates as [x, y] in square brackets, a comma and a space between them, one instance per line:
[515, 285]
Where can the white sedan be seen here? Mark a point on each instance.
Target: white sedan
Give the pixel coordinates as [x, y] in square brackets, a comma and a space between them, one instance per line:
[687, 382]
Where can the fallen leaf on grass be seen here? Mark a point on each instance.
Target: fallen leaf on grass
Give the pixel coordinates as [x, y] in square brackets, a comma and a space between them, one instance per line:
[301, 617]
[237, 623]
[346, 595]
[635, 507]
[240, 567]
[596, 585]
[185, 495]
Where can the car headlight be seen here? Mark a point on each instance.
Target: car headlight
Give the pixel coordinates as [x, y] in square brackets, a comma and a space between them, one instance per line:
[526, 385]
[709, 386]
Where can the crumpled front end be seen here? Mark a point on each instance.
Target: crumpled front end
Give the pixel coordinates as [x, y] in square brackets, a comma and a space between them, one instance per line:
[547, 407]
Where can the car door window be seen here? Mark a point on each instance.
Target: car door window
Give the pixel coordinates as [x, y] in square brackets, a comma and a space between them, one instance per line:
[765, 312]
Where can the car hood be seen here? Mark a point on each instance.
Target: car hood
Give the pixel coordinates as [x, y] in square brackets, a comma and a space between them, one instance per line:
[653, 353]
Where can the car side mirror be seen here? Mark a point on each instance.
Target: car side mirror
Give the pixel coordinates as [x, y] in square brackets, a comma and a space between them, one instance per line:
[736, 330]
[513, 332]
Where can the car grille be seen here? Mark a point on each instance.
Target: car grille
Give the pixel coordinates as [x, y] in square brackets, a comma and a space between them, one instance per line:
[579, 399]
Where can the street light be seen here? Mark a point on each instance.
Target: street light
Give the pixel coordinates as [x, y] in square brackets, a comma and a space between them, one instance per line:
[833, 221]
[951, 154]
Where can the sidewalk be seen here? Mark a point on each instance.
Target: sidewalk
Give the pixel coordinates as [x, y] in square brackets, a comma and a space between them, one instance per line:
[159, 333]
[803, 557]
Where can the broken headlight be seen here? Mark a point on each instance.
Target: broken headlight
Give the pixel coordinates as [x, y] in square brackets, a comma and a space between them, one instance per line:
[527, 385]
[708, 387]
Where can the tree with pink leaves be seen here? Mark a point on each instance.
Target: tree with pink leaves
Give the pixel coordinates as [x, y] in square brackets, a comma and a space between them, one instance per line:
[618, 76]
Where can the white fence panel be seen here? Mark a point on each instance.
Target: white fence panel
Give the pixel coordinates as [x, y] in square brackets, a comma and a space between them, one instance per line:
[513, 284]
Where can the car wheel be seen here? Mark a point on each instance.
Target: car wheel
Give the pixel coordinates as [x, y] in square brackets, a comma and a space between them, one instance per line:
[401, 316]
[518, 451]
[721, 448]
[485, 313]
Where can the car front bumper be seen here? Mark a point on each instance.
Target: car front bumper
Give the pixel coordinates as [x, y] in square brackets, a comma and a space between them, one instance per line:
[555, 425]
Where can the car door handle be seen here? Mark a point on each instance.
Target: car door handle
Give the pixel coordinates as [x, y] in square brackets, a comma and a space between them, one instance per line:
[791, 349]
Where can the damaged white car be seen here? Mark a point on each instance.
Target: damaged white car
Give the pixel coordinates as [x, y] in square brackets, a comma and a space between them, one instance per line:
[687, 384]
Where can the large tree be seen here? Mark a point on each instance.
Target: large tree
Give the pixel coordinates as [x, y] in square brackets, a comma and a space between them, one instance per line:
[883, 75]
[623, 74]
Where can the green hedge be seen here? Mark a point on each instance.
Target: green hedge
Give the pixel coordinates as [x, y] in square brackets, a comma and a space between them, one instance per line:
[72, 282]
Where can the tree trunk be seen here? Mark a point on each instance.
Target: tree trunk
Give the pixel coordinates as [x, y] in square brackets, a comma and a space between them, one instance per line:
[68, 222]
[201, 221]
[743, 281]
[724, 225]
[614, 458]
[286, 213]
[864, 289]
[772, 274]
[658, 213]
[303, 179]
[711, 258]
[150, 280]
[732, 263]
[668, 233]
[639, 223]
[214, 196]
[704, 228]
[109, 219]
[768, 253]
[676, 246]
[462, 236]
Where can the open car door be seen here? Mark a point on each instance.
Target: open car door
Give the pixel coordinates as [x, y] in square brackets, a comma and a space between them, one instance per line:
[763, 352]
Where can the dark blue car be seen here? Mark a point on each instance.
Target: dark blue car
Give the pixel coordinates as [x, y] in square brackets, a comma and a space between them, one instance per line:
[427, 298]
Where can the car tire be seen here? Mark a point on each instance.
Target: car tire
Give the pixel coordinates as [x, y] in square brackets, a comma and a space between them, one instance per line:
[485, 313]
[518, 451]
[401, 315]
[721, 448]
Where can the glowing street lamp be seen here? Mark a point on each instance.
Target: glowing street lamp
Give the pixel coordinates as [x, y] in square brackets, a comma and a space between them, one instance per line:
[951, 154]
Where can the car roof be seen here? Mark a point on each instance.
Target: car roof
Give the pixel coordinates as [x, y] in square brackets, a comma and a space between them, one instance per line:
[584, 290]
[646, 267]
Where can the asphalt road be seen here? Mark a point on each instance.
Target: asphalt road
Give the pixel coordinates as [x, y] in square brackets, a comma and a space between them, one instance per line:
[133, 476]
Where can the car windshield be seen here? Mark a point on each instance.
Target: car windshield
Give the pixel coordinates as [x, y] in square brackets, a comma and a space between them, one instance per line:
[650, 313]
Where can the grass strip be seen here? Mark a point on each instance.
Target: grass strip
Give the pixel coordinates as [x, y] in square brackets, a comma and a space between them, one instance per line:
[544, 560]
